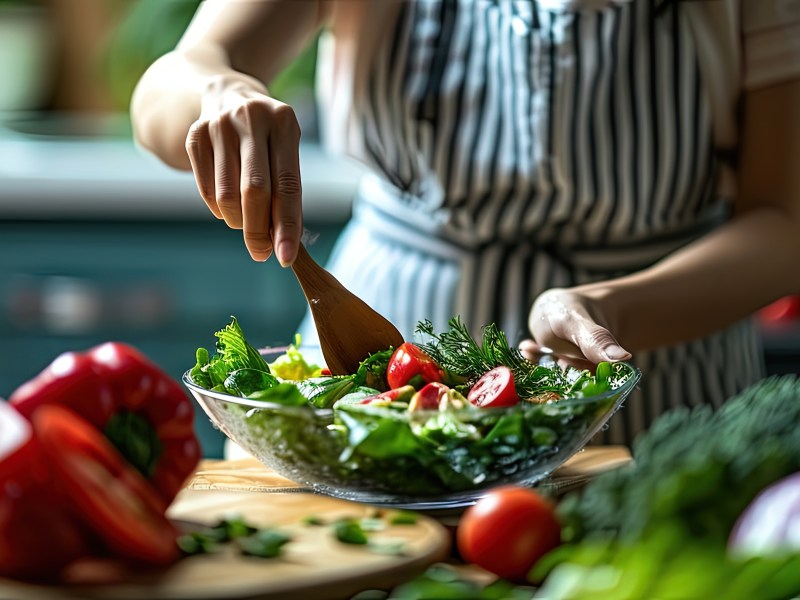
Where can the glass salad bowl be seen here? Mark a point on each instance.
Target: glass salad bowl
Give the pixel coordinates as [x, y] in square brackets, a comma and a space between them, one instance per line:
[424, 459]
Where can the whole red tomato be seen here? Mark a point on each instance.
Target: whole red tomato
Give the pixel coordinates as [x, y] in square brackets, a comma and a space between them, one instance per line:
[507, 531]
[494, 389]
[409, 365]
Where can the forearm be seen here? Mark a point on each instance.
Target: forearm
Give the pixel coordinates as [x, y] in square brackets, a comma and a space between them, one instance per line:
[228, 43]
[705, 286]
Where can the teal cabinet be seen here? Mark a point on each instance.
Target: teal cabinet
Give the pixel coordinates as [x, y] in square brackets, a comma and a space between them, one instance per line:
[165, 287]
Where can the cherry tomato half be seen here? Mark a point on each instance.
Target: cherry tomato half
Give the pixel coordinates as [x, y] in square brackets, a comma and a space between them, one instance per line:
[409, 365]
[507, 531]
[110, 496]
[494, 389]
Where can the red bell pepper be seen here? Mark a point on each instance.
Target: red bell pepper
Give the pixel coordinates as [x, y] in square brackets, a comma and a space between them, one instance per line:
[39, 532]
[144, 413]
[109, 496]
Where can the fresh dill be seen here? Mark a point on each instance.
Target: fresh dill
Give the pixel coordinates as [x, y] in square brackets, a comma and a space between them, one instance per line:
[460, 355]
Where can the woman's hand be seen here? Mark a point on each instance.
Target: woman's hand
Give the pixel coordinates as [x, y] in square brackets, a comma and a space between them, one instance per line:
[244, 151]
[204, 106]
[572, 324]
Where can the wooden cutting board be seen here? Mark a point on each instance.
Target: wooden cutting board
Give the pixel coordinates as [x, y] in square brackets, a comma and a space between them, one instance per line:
[313, 565]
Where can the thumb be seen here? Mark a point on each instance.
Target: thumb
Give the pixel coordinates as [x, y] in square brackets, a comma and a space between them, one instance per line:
[598, 344]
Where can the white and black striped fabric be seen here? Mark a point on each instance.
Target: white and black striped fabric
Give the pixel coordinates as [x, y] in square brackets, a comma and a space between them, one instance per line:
[523, 145]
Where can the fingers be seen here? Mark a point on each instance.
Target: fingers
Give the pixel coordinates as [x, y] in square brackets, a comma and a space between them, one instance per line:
[244, 152]
[287, 214]
[227, 162]
[201, 156]
[543, 355]
[256, 193]
[560, 320]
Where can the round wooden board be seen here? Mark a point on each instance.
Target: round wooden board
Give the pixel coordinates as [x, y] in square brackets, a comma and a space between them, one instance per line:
[313, 565]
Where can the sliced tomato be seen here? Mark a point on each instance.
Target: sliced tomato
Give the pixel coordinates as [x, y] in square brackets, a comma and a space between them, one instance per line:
[409, 365]
[494, 389]
[109, 495]
[429, 397]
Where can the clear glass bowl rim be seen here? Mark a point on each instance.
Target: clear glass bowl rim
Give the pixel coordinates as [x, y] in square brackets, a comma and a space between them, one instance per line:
[630, 382]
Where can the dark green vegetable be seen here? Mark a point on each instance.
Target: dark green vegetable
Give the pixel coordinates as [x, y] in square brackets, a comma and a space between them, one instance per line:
[266, 543]
[442, 582]
[404, 517]
[666, 563]
[243, 382]
[372, 371]
[349, 531]
[197, 543]
[207, 539]
[322, 392]
[286, 394]
[699, 467]
[233, 353]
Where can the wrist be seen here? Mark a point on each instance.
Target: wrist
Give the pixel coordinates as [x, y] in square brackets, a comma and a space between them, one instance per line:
[233, 81]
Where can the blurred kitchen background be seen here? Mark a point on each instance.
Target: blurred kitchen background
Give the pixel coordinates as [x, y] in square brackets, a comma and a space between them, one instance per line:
[99, 241]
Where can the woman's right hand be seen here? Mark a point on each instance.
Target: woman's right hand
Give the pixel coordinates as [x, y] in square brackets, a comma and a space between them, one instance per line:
[573, 324]
[244, 151]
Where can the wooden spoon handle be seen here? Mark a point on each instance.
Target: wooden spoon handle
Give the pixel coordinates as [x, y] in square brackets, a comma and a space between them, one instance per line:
[312, 277]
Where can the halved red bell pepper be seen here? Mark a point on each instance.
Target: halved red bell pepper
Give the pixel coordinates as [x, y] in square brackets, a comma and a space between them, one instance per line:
[109, 496]
[145, 414]
[39, 532]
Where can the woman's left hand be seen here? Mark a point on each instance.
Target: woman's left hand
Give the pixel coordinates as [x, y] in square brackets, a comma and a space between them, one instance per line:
[572, 324]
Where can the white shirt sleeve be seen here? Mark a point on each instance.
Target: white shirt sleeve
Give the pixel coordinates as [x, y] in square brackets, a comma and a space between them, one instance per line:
[771, 41]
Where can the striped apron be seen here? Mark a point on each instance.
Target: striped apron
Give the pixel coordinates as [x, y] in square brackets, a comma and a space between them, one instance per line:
[517, 146]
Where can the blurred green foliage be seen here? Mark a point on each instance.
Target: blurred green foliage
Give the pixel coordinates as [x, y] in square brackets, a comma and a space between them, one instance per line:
[152, 28]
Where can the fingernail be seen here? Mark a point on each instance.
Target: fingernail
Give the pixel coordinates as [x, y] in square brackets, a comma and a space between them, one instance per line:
[261, 256]
[285, 253]
[615, 352]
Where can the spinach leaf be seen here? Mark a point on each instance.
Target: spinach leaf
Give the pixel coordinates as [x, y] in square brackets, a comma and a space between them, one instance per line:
[243, 382]
[322, 392]
[283, 393]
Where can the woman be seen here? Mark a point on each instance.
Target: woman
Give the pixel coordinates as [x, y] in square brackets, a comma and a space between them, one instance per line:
[619, 176]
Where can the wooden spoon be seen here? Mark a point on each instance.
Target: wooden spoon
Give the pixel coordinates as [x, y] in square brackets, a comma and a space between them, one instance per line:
[349, 330]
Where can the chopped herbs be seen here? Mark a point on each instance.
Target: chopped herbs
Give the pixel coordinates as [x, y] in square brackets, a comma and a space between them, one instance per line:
[251, 540]
[197, 543]
[265, 543]
[404, 517]
[349, 531]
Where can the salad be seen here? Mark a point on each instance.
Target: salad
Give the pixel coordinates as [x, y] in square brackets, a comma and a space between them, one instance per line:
[441, 415]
